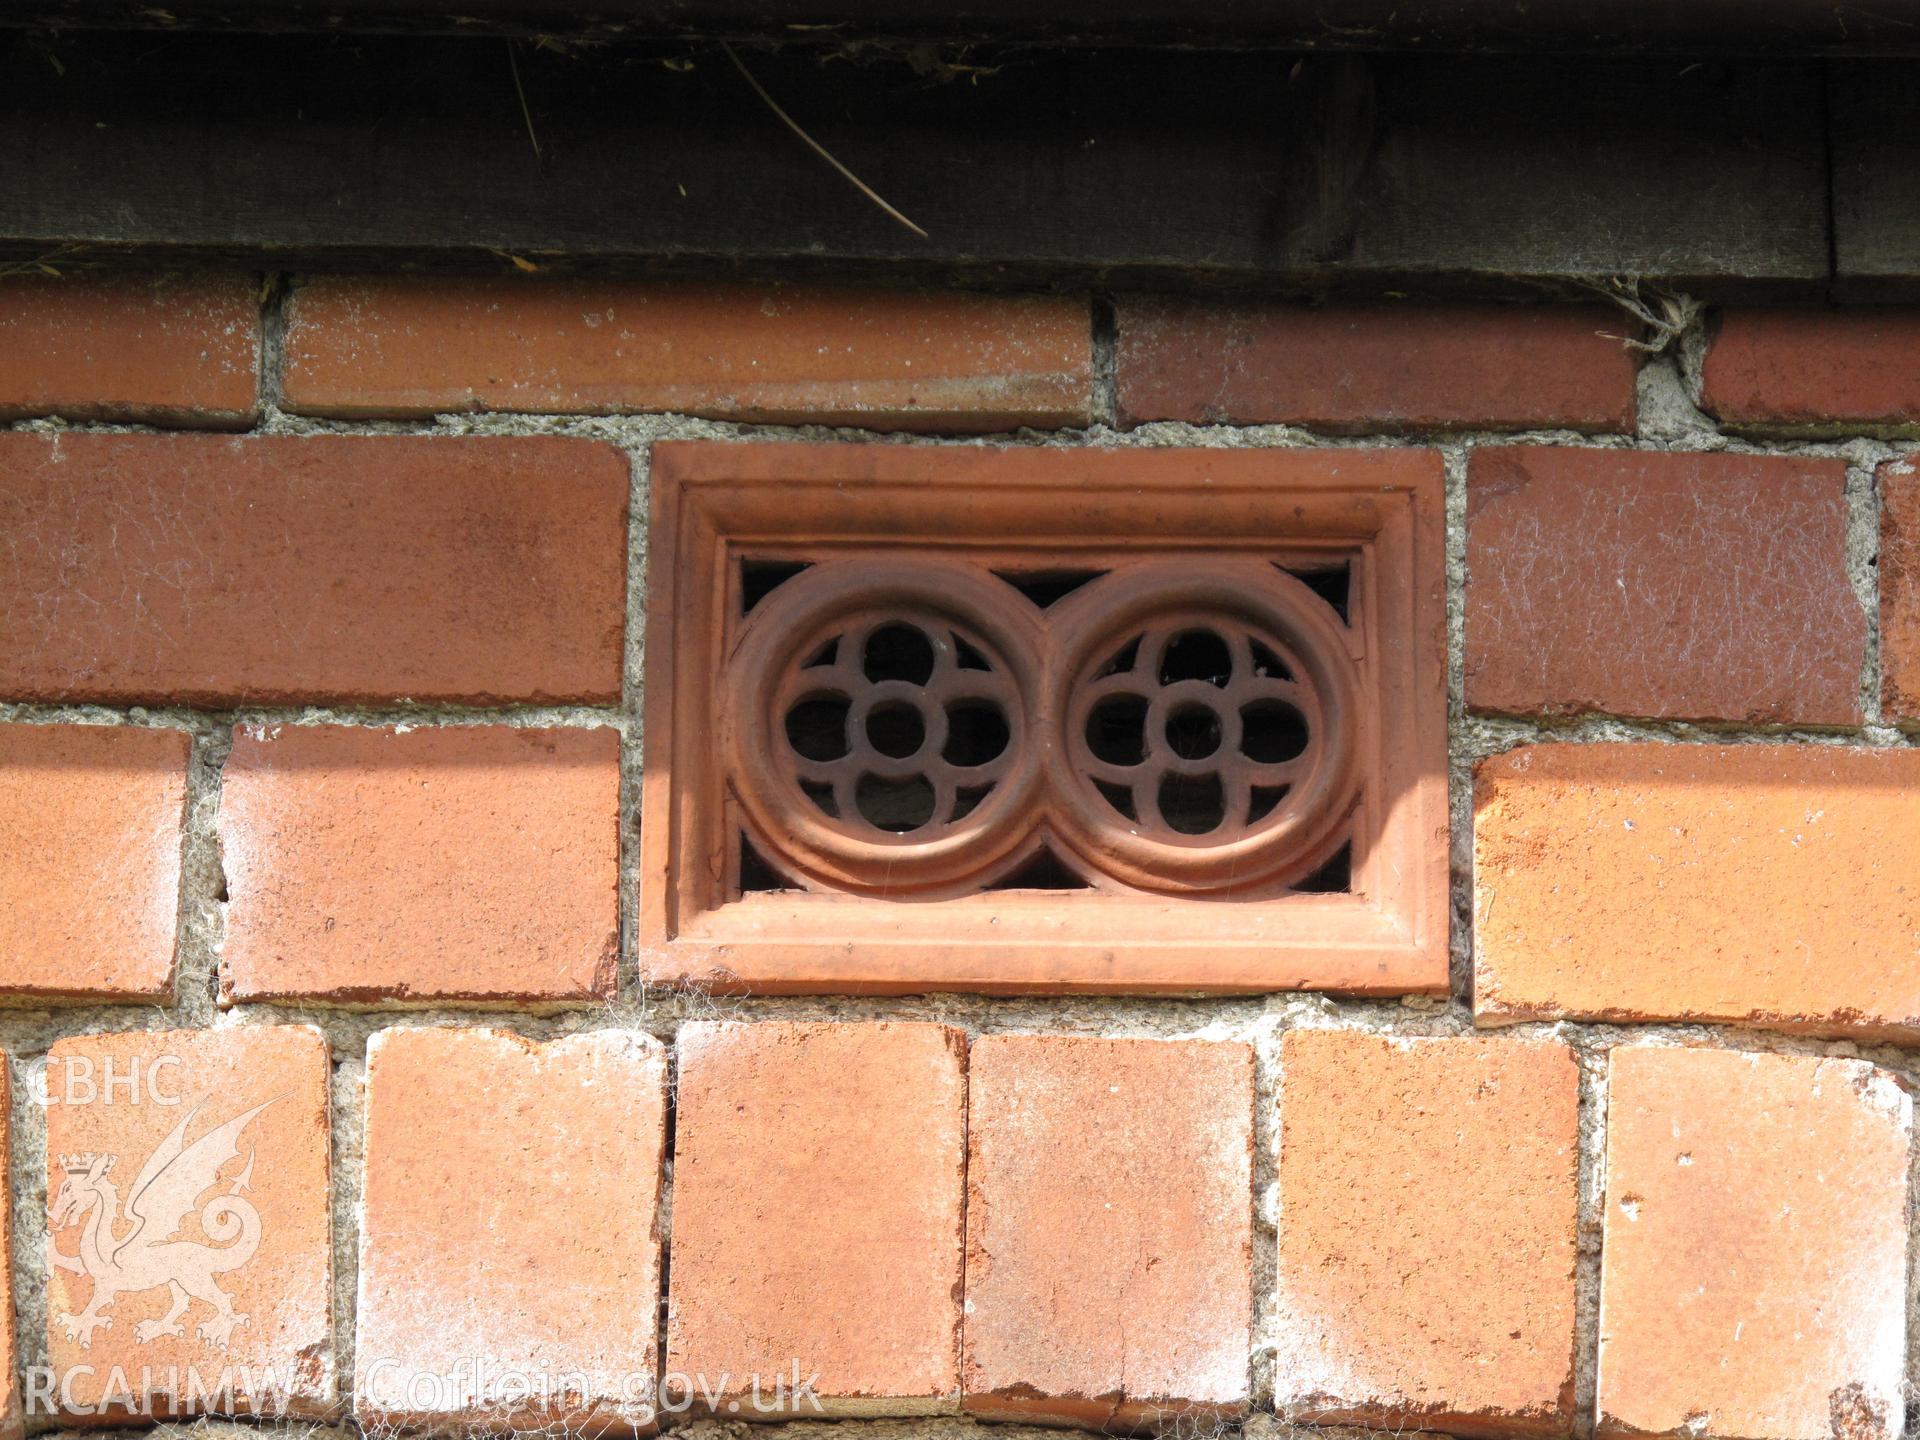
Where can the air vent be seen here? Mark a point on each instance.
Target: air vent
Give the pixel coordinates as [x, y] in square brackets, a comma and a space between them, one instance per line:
[1062, 720]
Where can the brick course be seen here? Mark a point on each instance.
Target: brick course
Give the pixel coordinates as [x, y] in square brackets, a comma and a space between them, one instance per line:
[1396, 1312]
[851, 1142]
[906, 359]
[12, 1405]
[1753, 1278]
[1675, 586]
[1108, 1178]
[259, 1310]
[510, 1215]
[1899, 571]
[90, 822]
[1760, 884]
[160, 349]
[464, 863]
[1061, 1227]
[1355, 369]
[1818, 371]
[203, 570]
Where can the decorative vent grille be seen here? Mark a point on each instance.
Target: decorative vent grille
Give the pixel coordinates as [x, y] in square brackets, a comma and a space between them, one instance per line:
[956, 718]
[1178, 726]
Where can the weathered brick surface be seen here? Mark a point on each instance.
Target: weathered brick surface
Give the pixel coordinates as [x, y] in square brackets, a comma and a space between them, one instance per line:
[190, 569]
[885, 359]
[229, 1131]
[1814, 370]
[460, 863]
[1669, 585]
[1762, 884]
[165, 349]
[509, 1227]
[1356, 368]
[1899, 569]
[1050, 1228]
[1754, 1269]
[12, 1408]
[1107, 1179]
[850, 1141]
[1400, 1309]
[90, 819]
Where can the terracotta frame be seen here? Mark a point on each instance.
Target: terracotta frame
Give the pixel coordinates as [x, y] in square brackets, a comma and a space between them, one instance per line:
[1379, 511]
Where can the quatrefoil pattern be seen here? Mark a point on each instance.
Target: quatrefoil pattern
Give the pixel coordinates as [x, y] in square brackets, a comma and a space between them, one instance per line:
[918, 729]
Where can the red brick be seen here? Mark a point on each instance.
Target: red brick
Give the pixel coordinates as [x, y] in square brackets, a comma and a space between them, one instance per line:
[256, 1196]
[465, 863]
[1899, 591]
[165, 349]
[1770, 885]
[818, 1183]
[90, 820]
[1399, 1309]
[1109, 1229]
[1814, 371]
[885, 359]
[509, 1227]
[1369, 368]
[211, 570]
[1669, 585]
[1754, 1269]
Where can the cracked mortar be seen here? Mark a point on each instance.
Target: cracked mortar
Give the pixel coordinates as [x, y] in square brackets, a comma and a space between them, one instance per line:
[1669, 420]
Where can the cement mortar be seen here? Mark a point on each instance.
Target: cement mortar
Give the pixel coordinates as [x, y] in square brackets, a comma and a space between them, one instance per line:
[1669, 420]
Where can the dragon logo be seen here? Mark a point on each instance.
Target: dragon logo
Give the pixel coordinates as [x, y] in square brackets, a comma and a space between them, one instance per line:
[138, 1252]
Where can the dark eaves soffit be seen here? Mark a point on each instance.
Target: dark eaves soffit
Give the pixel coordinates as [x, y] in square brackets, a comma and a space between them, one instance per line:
[1499, 148]
[1723, 27]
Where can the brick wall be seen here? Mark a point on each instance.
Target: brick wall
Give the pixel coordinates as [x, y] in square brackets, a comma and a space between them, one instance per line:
[319, 811]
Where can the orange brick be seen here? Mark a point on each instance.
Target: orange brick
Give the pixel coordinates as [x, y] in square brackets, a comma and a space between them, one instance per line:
[465, 863]
[90, 820]
[12, 1418]
[1753, 1275]
[1400, 1309]
[886, 359]
[206, 1153]
[1358, 368]
[1676, 586]
[216, 570]
[509, 1231]
[165, 349]
[1768, 885]
[1814, 370]
[850, 1141]
[1900, 591]
[1109, 1229]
